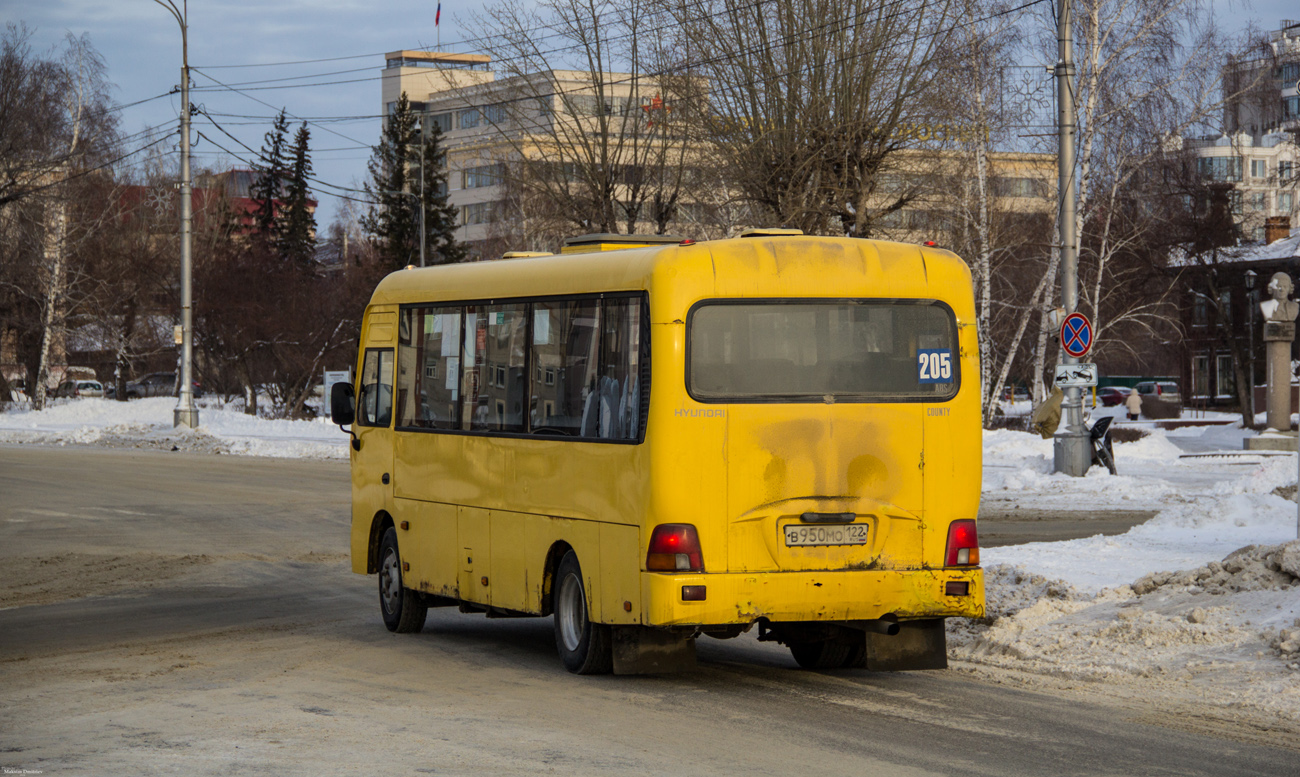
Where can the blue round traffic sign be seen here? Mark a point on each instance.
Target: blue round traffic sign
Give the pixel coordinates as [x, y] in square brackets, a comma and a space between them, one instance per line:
[1076, 334]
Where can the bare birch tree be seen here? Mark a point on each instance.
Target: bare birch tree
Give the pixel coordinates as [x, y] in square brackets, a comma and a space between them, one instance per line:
[1146, 70]
[808, 98]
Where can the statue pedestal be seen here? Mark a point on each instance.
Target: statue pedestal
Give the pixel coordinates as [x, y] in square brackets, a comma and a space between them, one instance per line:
[1277, 342]
[1271, 441]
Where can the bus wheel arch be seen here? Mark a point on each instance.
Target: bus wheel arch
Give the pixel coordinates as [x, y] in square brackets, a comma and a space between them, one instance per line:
[554, 556]
[378, 525]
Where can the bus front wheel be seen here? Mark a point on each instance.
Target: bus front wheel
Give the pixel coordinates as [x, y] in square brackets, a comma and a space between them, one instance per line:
[402, 608]
[585, 647]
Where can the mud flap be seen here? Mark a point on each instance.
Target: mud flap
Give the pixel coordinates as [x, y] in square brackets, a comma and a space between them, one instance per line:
[639, 650]
[918, 645]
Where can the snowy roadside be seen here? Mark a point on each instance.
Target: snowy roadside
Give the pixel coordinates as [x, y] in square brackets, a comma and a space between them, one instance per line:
[1200, 604]
[147, 423]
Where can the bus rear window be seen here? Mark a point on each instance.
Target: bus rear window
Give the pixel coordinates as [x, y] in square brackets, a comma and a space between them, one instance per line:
[812, 351]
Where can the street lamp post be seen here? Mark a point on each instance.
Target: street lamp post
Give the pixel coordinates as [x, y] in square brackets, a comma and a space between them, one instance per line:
[420, 199]
[186, 414]
[1251, 304]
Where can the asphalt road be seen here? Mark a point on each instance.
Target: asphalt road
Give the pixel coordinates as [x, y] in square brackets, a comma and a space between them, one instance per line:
[184, 614]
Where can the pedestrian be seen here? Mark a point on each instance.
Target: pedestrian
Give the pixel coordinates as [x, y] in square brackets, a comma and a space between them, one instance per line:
[1134, 405]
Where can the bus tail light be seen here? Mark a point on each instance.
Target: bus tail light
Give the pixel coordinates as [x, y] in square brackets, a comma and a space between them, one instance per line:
[963, 544]
[674, 547]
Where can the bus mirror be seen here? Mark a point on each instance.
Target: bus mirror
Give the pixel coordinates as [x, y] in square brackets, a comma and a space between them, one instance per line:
[342, 404]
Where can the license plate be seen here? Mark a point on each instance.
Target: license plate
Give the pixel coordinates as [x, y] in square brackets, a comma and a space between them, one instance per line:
[802, 534]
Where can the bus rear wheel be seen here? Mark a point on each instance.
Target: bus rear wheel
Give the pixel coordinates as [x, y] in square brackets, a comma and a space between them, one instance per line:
[822, 654]
[402, 608]
[584, 647]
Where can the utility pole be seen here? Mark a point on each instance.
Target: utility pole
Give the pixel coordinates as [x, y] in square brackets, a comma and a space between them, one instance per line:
[1072, 450]
[423, 238]
[186, 414]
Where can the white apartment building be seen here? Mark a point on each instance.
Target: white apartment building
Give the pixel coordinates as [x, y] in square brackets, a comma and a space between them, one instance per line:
[487, 121]
[1259, 152]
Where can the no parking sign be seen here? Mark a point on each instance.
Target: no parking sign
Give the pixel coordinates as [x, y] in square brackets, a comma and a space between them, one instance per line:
[1076, 334]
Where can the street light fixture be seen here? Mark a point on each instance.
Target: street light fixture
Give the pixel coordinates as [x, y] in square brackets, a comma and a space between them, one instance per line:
[186, 414]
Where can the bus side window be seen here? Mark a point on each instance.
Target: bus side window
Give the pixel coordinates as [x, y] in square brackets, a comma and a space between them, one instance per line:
[428, 368]
[563, 355]
[375, 398]
[620, 369]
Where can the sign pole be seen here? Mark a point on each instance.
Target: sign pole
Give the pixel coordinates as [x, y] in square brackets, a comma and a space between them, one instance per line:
[1072, 451]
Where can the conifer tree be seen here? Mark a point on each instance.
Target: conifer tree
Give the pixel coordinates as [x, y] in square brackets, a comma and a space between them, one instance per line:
[298, 223]
[393, 221]
[440, 217]
[267, 187]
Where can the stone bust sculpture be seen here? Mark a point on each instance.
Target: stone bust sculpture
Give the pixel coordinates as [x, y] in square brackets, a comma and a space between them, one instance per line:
[1279, 308]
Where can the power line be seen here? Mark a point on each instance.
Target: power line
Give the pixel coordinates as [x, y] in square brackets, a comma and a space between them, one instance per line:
[95, 169]
[272, 107]
[258, 154]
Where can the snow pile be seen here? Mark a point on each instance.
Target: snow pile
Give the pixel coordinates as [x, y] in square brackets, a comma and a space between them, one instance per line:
[1252, 568]
[1227, 630]
[1018, 467]
[1183, 536]
[147, 423]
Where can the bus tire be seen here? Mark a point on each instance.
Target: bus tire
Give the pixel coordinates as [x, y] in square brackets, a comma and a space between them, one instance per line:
[585, 647]
[822, 654]
[402, 608]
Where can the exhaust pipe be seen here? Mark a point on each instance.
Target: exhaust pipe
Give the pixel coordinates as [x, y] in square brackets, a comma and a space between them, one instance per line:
[887, 625]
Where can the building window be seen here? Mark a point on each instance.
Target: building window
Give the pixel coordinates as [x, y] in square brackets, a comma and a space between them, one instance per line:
[1285, 203]
[1290, 72]
[1225, 378]
[1200, 310]
[1220, 168]
[1258, 168]
[470, 118]
[1258, 201]
[1260, 234]
[443, 121]
[1200, 376]
[1234, 201]
[479, 213]
[1284, 170]
[1291, 108]
[1019, 187]
[484, 175]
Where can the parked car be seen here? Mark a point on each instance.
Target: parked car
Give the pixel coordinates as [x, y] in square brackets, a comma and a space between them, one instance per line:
[155, 384]
[1163, 390]
[80, 388]
[1110, 396]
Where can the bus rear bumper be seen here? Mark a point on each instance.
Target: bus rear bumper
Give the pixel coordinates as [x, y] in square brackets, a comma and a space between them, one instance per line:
[847, 595]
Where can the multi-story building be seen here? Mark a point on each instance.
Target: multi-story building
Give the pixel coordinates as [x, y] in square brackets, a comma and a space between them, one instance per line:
[488, 122]
[1258, 152]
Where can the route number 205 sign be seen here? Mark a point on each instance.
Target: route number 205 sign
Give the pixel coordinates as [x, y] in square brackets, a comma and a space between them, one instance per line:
[934, 365]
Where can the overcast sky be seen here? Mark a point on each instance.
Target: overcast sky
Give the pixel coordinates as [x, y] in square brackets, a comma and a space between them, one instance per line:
[141, 43]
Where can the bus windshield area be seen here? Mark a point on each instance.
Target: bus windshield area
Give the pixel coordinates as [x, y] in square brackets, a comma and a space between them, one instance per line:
[817, 351]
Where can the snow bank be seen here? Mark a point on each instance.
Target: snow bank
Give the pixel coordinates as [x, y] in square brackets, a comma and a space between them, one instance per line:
[147, 423]
[1182, 536]
[1228, 631]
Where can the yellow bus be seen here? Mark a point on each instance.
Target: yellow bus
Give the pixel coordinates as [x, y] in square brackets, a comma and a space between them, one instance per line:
[653, 439]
